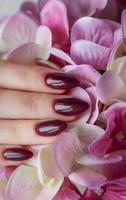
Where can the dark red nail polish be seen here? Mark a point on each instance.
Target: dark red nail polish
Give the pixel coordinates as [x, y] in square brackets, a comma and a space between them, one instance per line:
[50, 128]
[61, 81]
[17, 154]
[70, 106]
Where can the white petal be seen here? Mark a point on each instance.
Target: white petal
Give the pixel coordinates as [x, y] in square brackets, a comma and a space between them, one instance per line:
[44, 39]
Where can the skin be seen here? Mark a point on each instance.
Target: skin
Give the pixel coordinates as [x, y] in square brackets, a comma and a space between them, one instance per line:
[25, 100]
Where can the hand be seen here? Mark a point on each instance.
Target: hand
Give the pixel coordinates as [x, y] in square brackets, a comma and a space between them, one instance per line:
[33, 108]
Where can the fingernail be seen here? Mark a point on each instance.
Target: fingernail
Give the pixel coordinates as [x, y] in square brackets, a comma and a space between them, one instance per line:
[61, 81]
[17, 154]
[70, 106]
[50, 128]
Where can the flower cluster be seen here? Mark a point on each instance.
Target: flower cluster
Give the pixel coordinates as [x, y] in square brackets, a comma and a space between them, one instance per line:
[86, 39]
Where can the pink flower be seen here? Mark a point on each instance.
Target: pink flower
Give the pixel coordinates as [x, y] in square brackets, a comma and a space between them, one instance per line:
[114, 138]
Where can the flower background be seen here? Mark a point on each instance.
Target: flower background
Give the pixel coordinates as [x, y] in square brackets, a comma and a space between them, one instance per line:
[87, 40]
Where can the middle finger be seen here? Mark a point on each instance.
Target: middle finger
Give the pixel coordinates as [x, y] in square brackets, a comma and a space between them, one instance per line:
[23, 105]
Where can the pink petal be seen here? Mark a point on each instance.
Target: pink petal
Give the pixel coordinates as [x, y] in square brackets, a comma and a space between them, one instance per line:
[47, 164]
[82, 8]
[24, 181]
[26, 53]
[17, 29]
[99, 147]
[92, 160]
[80, 93]
[114, 138]
[61, 55]
[117, 36]
[65, 150]
[86, 52]
[94, 30]
[116, 173]
[110, 88]
[88, 133]
[95, 104]
[44, 39]
[87, 177]
[53, 15]
[83, 72]
[31, 9]
[113, 24]
[114, 192]
[116, 52]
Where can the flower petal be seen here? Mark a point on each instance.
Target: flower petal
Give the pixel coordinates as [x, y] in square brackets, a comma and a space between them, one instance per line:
[67, 194]
[87, 177]
[53, 15]
[88, 133]
[3, 184]
[92, 160]
[16, 29]
[24, 181]
[62, 55]
[110, 88]
[95, 104]
[114, 192]
[80, 93]
[31, 9]
[87, 52]
[94, 30]
[26, 53]
[119, 66]
[44, 39]
[47, 162]
[65, 150]
[116, 52]
[50, 189]
[83, 72]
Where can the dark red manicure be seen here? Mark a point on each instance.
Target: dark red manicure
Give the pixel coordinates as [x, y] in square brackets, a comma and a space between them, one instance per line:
[70, 106]
[61, 81]
[17, 154]
[50, 128]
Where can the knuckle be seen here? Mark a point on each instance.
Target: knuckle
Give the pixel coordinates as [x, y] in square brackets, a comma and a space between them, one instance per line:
[31, 103]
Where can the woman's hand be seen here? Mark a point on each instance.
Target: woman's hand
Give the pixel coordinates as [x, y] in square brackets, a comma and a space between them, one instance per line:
[33, 109]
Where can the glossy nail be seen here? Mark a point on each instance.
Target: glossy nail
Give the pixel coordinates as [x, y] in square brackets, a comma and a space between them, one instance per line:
[70, 106]
[50, 128]
[61, 81]
[17, 154]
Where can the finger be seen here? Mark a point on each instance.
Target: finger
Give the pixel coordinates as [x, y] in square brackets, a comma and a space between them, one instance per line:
[13, 155]
[34, 78]
[23, 105]
[29, 132]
